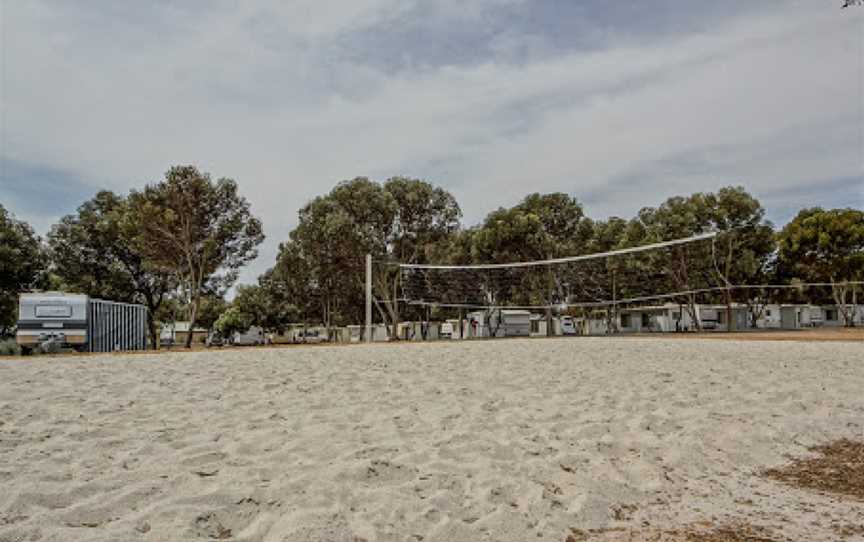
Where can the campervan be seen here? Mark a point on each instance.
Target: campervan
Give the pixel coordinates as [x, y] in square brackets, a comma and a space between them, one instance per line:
[52, 319]
[55, 320]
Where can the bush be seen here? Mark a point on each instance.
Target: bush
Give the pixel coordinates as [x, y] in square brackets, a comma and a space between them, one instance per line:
[8, 347]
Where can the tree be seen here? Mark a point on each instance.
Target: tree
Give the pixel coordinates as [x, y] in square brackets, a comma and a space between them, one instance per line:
[540, 227]
[94, 252]
[403, 219]
[563, 220]
[22, 266]
[212, 307]
[744, 248]
[332, 244]
[232, 321]
[684, 270]
[609, 235]
[826, 246]
[741, 251]
[263, 305]
[199, 230]
[291, 283]
[425, 218]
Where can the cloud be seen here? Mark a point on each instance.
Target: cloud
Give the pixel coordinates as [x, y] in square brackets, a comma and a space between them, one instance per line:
[619, 104]
[40, 195]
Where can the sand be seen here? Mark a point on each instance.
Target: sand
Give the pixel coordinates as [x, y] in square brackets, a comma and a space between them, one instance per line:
[507, 440]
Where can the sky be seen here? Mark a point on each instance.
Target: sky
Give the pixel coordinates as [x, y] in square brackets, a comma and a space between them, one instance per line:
[618, 103]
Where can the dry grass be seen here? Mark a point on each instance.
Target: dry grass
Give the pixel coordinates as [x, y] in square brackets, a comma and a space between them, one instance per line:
[838, 469]
[705, 533]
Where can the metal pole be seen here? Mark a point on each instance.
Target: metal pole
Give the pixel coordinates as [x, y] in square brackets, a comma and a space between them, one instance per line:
[368, 298]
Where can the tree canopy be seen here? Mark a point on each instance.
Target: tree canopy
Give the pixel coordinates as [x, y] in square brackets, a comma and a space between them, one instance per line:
[821, 245]
[322, 264]
[22, 266]
[199, 230]
[94, 252]
[177, 245]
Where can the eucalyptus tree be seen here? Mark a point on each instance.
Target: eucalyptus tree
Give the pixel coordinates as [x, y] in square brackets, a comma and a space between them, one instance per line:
[202, 231]
[94, 252]
[821, 245]
[402, 220]
[22, 265]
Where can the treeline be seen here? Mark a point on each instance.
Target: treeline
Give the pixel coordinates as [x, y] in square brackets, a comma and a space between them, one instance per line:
[318, 275]
[177, 246]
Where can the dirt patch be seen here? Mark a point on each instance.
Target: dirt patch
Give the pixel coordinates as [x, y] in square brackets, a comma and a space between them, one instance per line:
[698, 533]
[838, 469]
[848, 531]
[822, 334]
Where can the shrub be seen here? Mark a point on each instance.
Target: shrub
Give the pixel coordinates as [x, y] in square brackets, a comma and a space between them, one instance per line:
[8, 347]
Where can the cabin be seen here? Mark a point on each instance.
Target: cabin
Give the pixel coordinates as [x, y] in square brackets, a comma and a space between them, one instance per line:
[832, 316]
[498, 323]
[175, 333]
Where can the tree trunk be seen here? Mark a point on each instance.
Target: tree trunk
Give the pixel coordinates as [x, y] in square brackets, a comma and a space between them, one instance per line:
[192, 317]
[730, 324]
[549, 330]
[694, 317]
[152, 307]
[838, 291]
[394, 309]
[151, 330]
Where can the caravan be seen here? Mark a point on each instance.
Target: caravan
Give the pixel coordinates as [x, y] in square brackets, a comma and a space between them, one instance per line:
[54, 320]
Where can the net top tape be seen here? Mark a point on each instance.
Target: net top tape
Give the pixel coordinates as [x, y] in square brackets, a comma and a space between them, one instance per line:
[569, 259]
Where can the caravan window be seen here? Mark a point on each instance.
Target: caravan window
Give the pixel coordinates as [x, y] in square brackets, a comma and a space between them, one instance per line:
[53, 311]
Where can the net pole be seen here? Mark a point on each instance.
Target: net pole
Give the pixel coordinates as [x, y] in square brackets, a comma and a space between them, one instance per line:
[368, 298]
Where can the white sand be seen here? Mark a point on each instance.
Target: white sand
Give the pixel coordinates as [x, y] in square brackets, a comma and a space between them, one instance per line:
[505, 440]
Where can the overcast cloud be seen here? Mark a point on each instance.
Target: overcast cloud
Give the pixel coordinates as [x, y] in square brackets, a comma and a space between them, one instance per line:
[621, 104]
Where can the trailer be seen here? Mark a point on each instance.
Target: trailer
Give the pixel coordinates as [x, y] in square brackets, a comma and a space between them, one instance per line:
[55, 320]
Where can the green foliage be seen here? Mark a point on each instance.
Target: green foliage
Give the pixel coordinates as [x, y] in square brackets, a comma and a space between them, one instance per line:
[823, 245]
[22, 266]
[195, 229]
[8, 347]
[542, 226]
[320, 270]
[212, 307]
[94, 252]
[91, 254]
[232, 321]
